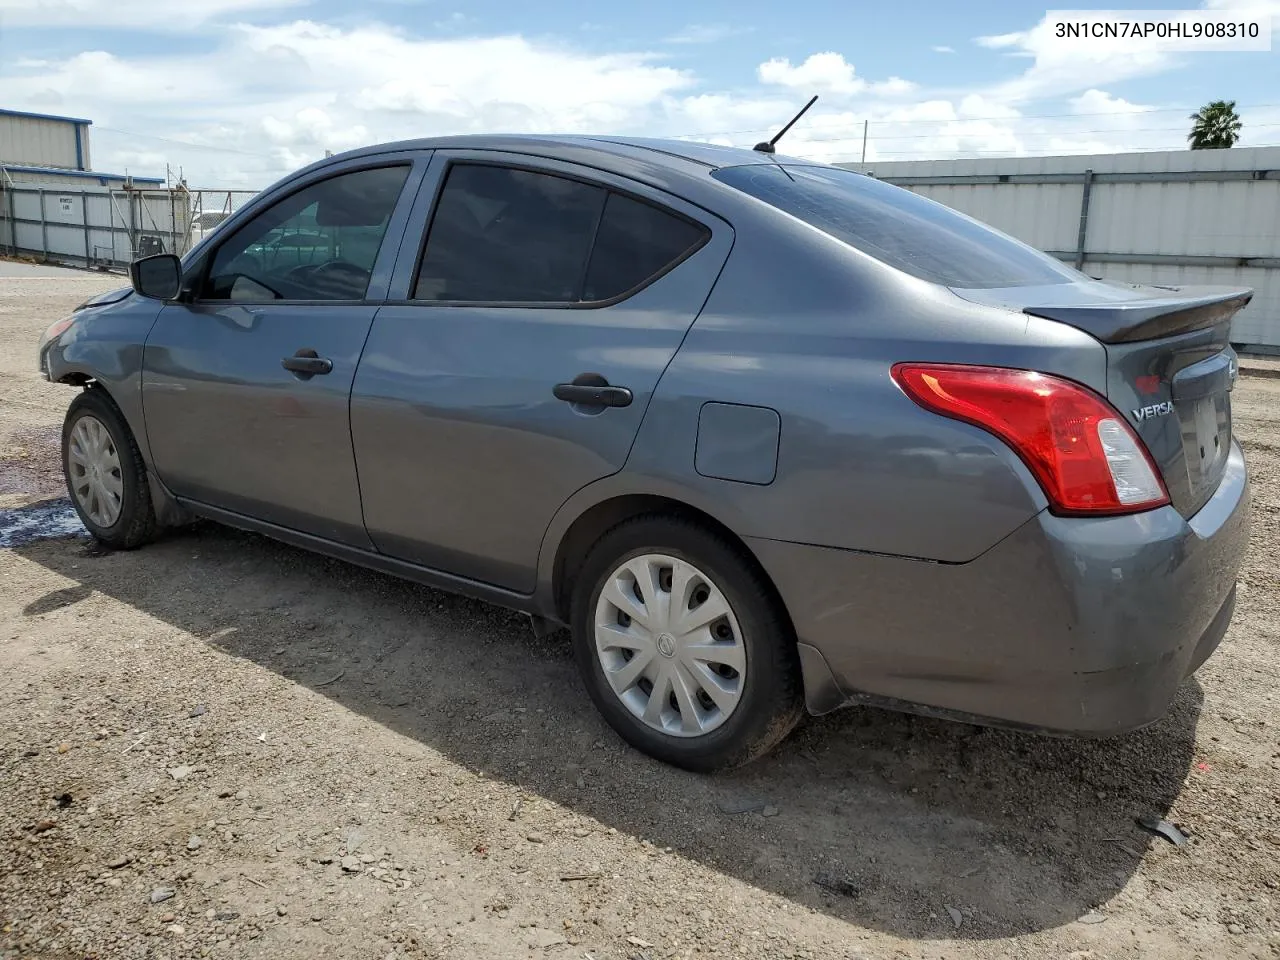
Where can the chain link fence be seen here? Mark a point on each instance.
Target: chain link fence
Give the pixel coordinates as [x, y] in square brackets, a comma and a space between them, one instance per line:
[209, 208]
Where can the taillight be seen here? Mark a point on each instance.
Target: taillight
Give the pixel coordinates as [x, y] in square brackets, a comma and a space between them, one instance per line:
[1085, 457]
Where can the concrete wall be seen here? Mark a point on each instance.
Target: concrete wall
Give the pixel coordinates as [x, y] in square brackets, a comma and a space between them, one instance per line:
[1170, 217]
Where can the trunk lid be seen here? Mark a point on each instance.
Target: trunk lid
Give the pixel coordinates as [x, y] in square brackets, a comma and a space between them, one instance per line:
[1170, 367]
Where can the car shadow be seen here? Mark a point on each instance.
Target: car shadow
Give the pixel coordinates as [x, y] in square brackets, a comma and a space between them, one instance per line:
[921, 828]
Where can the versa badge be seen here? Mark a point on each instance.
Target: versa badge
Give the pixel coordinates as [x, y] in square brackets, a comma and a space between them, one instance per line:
[1162, 409]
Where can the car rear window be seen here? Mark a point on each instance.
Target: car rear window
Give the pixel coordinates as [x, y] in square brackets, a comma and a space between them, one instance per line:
[909, 232]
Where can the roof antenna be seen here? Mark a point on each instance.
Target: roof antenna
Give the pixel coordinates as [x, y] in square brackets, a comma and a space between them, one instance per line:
[767, 146]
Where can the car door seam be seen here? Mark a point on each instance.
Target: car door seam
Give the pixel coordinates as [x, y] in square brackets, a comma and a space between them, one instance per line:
[351, 436]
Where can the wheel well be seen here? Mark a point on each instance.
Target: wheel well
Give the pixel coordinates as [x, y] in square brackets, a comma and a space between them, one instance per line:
[583, 534]
[76, 379]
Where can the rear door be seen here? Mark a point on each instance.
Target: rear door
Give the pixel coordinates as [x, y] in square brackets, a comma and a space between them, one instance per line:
[534, 307]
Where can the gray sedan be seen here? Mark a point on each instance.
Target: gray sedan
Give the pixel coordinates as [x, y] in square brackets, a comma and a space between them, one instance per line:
[770, 437]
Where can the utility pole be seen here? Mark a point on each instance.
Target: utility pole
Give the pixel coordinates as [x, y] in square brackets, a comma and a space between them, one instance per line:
[864, 140]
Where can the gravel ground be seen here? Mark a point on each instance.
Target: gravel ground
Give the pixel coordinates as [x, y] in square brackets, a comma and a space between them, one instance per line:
[222, 746]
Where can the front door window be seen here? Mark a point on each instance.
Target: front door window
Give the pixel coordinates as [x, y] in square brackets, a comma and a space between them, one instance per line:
[317, 244]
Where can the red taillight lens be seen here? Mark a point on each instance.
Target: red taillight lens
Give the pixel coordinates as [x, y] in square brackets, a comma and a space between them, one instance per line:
[1086, 458]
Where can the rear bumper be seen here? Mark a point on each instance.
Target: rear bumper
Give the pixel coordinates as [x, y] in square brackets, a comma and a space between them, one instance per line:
[1070, 625]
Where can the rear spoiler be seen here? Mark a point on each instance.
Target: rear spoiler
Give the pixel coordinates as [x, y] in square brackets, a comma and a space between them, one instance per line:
[1147, 319]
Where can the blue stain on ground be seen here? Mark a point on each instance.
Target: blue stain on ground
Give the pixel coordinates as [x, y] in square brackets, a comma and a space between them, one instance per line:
[47, 520]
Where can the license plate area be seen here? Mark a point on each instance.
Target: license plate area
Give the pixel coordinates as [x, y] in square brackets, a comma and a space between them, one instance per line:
[1206, 438]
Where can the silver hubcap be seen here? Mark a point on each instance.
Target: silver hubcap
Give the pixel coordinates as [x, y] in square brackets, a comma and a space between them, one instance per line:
[93, 467]
[670, 645]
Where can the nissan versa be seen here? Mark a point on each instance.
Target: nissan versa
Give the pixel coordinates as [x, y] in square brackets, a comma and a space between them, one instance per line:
[765, 434]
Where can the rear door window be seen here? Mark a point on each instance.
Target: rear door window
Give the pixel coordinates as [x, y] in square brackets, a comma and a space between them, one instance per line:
[506, 235]
[636, 242]
[916, 235]
[501, 235]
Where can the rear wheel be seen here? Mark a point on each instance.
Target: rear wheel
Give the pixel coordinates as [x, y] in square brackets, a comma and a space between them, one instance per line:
[683, 647]
[105, 474]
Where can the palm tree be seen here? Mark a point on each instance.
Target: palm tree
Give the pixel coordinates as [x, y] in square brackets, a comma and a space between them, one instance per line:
[1217, 125]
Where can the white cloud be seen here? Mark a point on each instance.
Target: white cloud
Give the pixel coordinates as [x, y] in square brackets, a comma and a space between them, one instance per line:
[707, 33]
[894, 87]
[827, 73]
[259, 101]
[1099, 102]
[821, 72]
[269, 98]
[471, 83]
[976, 105]
[934, 111]
[943, 49]
[1064, 65]
[720, 113]
[1263, 8]
[1001, 41]
[95, 79]
[157, 15]
[455, 20]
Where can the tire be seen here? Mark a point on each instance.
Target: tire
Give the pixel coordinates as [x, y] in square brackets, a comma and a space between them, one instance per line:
[769, 690]
[123, 520]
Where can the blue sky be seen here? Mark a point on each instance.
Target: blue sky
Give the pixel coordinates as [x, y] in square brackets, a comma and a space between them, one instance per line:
[238, 92]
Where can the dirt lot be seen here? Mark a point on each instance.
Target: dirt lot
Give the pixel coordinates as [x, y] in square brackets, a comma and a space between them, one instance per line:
[222, 746]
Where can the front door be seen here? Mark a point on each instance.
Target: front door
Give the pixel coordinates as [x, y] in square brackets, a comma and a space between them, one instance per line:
[469, 428]
[246, 387]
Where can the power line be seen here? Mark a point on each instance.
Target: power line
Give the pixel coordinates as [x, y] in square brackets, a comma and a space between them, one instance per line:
[184, 143]
[971, 154]
[853, 135]
[857, 134]
[817, 123]
[1006, 118]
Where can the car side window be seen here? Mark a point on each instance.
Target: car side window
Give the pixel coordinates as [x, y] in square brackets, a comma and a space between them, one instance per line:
[507, 235]
[635, 242]
[317, 244]
[503, 235]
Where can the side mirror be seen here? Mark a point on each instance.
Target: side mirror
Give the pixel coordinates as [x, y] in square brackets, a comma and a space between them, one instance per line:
[158, 277]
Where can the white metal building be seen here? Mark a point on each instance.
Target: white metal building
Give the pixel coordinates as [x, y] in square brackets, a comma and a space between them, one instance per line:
[55, 206]
[1170, 217]
[40, 140]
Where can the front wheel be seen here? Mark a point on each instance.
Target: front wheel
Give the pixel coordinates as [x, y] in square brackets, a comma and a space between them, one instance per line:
[105, 474]
[683, 646]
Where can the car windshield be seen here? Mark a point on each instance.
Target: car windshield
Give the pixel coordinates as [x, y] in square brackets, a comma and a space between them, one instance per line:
[909, 232]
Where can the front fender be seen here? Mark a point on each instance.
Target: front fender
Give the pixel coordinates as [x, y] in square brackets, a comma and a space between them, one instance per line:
[105, 344]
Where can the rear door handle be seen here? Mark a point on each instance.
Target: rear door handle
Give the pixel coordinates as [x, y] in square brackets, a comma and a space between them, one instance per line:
[306, 363]
[592, 390]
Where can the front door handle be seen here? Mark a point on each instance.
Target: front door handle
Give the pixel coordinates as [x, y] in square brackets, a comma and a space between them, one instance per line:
[306, 363]
[592, 390]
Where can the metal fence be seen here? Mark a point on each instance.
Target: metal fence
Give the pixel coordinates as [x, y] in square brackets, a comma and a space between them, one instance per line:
[1169, 217]
[209, 208]
[108, 228]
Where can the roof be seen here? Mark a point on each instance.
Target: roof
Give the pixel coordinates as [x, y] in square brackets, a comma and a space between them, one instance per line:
[78, 174]
[708, 154]
[43, 116]
[670, 153]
